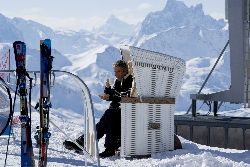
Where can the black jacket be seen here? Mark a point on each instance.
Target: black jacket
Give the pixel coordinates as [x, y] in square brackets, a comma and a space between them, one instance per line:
[120, 88]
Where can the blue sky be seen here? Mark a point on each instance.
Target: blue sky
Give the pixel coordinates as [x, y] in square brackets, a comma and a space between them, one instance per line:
[87, 14]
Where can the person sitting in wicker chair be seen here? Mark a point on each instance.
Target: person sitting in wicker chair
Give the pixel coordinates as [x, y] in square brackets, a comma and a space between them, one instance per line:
[110, 122]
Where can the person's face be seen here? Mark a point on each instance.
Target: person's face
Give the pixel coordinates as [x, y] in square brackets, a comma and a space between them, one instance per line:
[119, 72]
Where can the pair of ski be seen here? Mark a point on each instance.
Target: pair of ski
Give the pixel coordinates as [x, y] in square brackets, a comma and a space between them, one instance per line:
[43, 135]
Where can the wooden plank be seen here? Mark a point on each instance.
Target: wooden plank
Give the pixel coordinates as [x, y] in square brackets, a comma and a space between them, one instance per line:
[150, 100]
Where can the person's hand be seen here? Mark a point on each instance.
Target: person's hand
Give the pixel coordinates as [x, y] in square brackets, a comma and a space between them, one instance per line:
[107, 84]
[104, 96]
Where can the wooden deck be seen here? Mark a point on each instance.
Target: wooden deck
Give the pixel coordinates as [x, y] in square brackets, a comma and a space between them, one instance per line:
[216, 131]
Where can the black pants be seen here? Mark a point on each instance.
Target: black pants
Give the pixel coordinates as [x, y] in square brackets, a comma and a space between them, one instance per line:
[110, 124]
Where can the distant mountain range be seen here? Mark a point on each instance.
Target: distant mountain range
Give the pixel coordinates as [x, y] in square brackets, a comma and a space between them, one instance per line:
[115, 26]
[177, 30]
[66, 42]
[182, 31]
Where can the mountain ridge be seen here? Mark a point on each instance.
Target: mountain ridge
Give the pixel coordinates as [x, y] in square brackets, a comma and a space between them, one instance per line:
[182, 31]
[203, 39]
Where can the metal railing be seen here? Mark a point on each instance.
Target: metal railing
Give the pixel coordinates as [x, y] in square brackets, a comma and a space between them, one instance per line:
[89, 120]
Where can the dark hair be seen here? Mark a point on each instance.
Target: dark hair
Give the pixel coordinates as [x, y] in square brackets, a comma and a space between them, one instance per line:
[122, 64]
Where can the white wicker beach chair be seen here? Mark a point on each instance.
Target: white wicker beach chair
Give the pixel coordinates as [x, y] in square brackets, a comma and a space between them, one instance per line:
[148, 120]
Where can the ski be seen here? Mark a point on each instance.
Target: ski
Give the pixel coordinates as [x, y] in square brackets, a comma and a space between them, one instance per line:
[27, 156]
[44, 101]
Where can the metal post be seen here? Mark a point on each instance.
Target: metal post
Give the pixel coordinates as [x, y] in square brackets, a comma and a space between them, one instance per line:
[244, 138]
[194, 108]
[192, 133]
[215, 108]
[208, 136]
[226, 137]
[246, 45]
[8, 79]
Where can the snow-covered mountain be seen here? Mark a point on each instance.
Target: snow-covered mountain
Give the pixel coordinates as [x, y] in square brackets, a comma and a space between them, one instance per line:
[177, 30]
[182, 31]
[33, 58]
[8, 32]
[188, 33]
[113, 25]
[66, 42]
[197, 70]
[177, 14]
[94, 67]
[32, 31]
[116, 31]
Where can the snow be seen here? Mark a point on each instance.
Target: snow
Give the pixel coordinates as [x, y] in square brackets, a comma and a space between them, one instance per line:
[176, 30]
[145, 38]
[192, 154]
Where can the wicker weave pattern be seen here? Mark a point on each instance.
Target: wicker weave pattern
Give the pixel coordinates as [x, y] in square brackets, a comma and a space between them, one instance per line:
[149, 127]
[157, 74]
[137, 137]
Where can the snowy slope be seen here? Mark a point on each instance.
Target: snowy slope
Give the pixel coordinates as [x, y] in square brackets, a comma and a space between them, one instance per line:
[197, 69]
[32, 31]
[8, 32]
[192, 154]
[94, 67]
